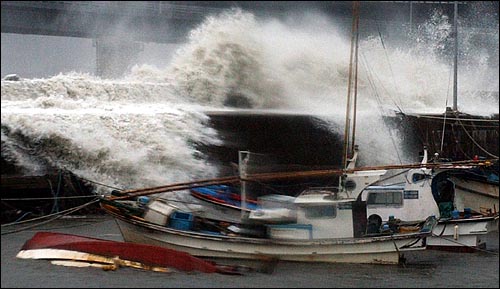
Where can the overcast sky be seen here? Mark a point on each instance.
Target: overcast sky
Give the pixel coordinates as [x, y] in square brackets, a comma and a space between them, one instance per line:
[32, 56]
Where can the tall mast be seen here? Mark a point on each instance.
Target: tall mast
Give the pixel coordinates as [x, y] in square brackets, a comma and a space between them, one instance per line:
[455, 60]
[355, 100]
[349, 110]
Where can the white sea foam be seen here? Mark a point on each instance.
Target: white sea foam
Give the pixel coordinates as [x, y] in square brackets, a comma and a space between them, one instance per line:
[124, 134]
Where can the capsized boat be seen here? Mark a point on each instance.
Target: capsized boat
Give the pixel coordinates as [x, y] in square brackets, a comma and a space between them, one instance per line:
[80, 251]
[425, 192]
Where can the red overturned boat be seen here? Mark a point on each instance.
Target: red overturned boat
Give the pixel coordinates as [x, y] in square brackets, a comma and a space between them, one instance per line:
[80, 251]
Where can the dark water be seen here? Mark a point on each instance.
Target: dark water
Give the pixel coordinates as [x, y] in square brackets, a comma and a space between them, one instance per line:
[423, 269]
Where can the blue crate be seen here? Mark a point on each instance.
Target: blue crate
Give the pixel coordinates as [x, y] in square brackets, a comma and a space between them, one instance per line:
[181, 221]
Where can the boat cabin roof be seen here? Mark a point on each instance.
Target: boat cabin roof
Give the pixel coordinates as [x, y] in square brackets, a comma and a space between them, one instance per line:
[385, 188]
[318, 199]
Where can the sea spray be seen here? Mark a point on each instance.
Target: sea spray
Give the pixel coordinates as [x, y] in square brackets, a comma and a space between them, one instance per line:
[142, 130]
[126, 135]
[223, 60]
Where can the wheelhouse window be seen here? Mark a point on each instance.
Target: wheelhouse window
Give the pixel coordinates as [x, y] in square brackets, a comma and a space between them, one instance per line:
[385, 198]
[418, 177]
[320, 212]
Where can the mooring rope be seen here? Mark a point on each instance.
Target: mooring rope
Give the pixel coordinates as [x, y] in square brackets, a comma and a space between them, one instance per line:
[57, 215]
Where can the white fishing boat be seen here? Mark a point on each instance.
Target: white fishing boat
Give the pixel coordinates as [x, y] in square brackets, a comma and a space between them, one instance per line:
[329, 227]
[425, 192]
[477, 189]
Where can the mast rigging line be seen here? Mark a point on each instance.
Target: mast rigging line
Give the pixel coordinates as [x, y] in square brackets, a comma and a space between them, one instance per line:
[379, 103]
[444, 120]
[390, 68]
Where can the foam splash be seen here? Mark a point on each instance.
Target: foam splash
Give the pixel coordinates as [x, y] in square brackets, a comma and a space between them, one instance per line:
[123, 134]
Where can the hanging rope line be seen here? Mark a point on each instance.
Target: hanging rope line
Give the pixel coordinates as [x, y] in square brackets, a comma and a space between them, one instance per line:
[379, 103]
[445, 114]
[475, 142]
[390, 69]
[57, 215]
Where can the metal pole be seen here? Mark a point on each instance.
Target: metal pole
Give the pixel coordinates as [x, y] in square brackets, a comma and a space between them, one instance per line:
[455, 61]
[347, 130]
[355, 100]
[243, 157]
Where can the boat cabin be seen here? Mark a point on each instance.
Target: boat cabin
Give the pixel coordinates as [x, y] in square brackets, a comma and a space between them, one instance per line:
[422, 195]
[322, 215]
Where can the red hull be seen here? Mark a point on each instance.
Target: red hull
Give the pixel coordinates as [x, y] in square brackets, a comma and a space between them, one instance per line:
[145, 254]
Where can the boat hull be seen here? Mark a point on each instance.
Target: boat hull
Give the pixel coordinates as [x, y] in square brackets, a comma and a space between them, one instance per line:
[50, 245]
[477, 195]
[464, 235]
[370, 250]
